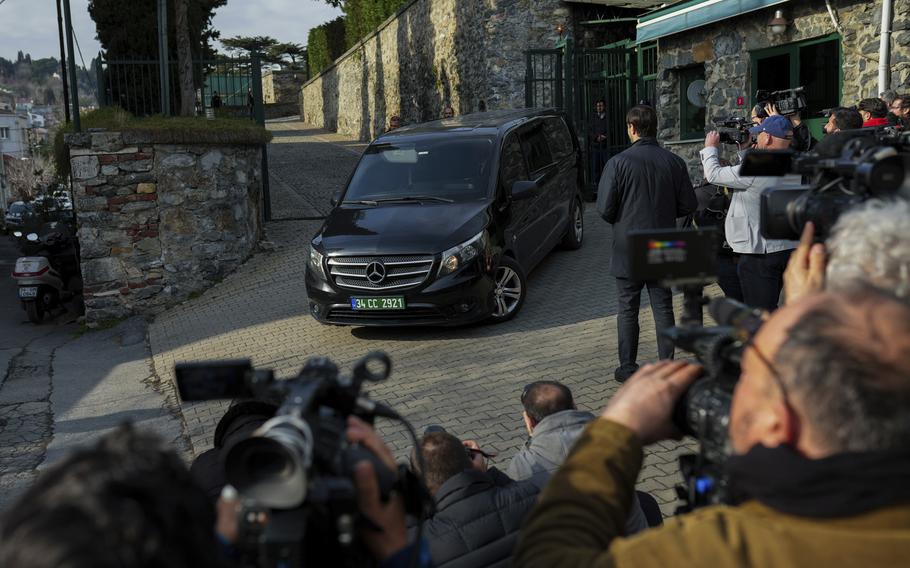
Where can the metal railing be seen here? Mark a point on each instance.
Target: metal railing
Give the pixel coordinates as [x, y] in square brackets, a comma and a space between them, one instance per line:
[229, 84]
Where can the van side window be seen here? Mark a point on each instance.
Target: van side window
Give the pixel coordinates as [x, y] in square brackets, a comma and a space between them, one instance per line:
[512, 163]
[559, 137]
[534, 144]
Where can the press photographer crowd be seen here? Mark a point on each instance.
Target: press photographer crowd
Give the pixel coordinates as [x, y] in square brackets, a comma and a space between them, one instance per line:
[798, 393]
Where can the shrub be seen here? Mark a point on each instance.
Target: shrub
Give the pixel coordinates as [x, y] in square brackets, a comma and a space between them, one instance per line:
[325, 44]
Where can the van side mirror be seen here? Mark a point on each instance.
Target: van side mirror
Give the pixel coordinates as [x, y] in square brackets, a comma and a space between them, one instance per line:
[336, 197]
[524, 189]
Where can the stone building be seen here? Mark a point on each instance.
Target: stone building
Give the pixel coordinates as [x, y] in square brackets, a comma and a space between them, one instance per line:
[714, 70]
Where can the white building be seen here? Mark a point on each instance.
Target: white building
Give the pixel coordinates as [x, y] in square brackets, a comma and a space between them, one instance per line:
[13, 143]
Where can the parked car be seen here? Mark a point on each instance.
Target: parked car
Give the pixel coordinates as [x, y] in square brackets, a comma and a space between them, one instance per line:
[441, 222]
[17, 215]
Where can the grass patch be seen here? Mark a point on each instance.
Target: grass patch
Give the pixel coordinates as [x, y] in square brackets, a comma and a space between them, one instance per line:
[100, 326]
[162, 130]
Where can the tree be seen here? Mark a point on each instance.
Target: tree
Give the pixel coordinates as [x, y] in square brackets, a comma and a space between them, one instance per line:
[27, 177]
[240, 44]
[50, 97]
[133, 34]
[184, 59]
[293, 51]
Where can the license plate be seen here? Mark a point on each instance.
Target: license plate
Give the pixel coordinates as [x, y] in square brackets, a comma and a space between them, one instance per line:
[387, 303]
[28, 292]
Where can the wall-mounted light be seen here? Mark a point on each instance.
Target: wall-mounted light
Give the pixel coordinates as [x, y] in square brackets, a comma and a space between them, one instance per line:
[778, 23]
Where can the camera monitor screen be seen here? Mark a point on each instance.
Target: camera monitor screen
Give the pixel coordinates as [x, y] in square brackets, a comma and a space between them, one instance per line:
[674, 257]
[213, 380]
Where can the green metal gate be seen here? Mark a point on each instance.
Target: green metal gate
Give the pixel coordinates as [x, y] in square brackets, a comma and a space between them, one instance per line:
[544, 81]
[622, 74]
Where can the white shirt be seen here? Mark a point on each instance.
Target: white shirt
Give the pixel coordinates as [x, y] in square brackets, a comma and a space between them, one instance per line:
[743, 222]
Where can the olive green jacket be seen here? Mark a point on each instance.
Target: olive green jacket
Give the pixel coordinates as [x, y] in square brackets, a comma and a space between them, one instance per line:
[582, 511]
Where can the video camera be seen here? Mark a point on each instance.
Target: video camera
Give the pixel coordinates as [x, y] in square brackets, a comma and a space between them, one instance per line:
[687, 258]
[844, 170]
[732, 130]
[786, 101]
[294, 474]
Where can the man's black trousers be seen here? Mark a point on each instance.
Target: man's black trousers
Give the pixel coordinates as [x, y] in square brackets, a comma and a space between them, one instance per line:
[761, 277]
[628, 296]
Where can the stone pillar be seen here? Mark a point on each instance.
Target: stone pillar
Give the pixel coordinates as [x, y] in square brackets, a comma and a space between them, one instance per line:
[159, 222]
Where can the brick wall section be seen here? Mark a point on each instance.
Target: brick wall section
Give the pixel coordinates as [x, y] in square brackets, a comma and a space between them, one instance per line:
[432, 53]
[723, 48]
[159, 222]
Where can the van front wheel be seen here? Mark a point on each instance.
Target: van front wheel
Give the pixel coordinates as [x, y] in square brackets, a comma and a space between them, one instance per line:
[511, 288]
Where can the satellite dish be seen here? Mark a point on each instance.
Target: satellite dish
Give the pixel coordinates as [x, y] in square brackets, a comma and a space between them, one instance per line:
[696, 93]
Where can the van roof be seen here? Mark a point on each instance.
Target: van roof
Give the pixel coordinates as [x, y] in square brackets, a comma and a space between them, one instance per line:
[491, 122]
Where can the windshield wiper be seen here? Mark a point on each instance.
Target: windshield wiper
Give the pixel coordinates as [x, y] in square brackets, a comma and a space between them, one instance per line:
[416, 199]
[361, 202]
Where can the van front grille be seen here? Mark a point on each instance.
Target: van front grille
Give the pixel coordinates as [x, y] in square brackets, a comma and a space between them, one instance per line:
[378, 273]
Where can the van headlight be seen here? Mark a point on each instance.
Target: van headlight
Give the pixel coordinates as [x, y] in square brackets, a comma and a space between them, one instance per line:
[316, 259]
[459, 256]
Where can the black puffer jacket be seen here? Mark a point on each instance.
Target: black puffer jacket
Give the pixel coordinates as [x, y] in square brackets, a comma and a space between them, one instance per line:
[477, 519]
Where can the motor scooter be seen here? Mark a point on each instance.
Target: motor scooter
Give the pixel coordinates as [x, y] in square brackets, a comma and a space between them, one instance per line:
[49, 275]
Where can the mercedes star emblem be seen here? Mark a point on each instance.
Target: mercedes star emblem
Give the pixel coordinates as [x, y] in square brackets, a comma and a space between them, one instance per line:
[376, 272]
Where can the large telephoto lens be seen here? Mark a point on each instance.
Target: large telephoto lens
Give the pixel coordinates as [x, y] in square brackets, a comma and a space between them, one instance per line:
[270, 468]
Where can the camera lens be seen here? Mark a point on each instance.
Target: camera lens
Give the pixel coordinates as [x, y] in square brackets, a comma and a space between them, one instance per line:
[782, 213]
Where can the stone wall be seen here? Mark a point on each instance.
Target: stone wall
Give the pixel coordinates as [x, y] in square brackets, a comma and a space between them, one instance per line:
[282, 86]
[466, 53]
[723, 48]
[159, 222]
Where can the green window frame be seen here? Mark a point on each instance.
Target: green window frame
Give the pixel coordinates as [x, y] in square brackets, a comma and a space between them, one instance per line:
[647, 72]
[691, 117]
[794, 51]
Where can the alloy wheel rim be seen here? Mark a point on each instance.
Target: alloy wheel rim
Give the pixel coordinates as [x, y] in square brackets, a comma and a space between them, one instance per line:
[579, 224]
[507, 293]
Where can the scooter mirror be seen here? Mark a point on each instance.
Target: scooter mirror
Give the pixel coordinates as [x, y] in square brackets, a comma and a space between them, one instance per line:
[33, 237]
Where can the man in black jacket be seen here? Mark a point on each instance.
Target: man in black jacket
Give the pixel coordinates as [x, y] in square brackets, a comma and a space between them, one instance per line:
[478, 509]
[643, 187]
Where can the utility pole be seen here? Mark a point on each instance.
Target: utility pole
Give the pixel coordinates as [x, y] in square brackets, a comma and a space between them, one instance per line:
[163, 76]
[71, 63]
[66, 93]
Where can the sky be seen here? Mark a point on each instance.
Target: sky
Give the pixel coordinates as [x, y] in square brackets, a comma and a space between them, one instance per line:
[31, 25]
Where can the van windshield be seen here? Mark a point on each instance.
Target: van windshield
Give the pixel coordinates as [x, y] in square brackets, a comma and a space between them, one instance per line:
[441, 169]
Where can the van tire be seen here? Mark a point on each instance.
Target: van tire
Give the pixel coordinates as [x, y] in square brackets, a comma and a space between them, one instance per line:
[575, 232]
[510, 279]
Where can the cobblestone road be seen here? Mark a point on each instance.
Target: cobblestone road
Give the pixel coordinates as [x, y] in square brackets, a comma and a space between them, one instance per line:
[468, 380]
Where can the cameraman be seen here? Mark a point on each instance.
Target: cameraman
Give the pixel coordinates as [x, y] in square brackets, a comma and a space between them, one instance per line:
[762, 261]
[818, 427]
[802, 138]
[843, 118]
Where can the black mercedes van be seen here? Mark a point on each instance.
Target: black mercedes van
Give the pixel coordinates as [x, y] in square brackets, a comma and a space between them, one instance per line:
[441, 222]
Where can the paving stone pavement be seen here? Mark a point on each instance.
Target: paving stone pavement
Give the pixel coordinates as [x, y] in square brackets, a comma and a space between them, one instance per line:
[467, 379]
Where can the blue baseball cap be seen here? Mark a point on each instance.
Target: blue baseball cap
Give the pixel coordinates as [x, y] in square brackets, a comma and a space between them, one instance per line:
[776, 125]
